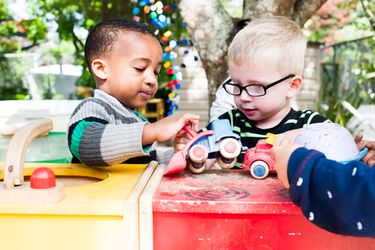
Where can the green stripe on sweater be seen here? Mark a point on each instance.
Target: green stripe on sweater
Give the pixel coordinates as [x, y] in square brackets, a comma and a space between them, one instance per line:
[77, 135]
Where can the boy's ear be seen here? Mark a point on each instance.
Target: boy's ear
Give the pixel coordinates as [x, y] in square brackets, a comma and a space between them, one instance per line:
[99, 68]
[294, 86]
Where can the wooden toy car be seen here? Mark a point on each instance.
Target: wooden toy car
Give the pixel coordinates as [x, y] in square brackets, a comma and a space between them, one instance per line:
[220, 143]
[259, 160]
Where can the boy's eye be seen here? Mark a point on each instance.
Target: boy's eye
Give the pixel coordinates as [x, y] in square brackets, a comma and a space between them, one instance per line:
[139, 69]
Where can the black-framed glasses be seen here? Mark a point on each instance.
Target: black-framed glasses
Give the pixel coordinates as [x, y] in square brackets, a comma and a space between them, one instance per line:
[254, 90]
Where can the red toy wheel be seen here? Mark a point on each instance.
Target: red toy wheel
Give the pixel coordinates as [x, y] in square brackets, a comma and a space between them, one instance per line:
[230, 148]
[226, 163]
[259, 169]
[198, 153]
[197, 168]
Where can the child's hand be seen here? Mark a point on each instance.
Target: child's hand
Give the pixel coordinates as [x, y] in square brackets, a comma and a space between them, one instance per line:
[167, 127]
[369, 158]
[182, 138]
[282, 149]
[358, 138]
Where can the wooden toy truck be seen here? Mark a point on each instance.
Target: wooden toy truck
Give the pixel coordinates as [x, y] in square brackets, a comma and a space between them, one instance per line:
[220, 143]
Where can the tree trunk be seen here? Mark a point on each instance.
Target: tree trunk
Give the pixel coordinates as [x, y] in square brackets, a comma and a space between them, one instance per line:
[209, 26]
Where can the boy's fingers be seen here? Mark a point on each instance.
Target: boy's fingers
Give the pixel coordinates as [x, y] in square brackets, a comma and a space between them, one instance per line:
[361, 145]
[179, 147]
[180, 133]
[182, 139]
[369, 158]
[282, 141]
[278, 140]
[196, 126]
[358, 137]
[179, 142]
[285, 141]
[370, 145]
[193, 118]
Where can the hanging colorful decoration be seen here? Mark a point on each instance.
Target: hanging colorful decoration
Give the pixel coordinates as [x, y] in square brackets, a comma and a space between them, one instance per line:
[155, 13]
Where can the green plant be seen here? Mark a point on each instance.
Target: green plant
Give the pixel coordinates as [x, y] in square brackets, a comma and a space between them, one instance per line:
[348, 68]
[349, 77]
[15, 37]
[11, 79]
[71, 16]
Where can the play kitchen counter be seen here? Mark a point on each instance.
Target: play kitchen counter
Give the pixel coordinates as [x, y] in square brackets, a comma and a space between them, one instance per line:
[89, 208]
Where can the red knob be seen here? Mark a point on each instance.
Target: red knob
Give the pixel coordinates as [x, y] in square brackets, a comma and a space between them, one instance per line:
[42, 178]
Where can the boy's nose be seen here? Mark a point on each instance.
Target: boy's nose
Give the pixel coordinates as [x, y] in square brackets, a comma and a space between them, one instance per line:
[245, 97]
[151, 80]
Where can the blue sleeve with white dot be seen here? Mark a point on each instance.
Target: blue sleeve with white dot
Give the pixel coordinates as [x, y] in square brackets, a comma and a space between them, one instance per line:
[339, 198]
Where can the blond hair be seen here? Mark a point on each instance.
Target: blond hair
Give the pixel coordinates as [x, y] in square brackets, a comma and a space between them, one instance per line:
[272, 37]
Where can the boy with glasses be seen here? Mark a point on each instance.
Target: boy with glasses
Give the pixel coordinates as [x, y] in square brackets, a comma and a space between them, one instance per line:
[266, 61]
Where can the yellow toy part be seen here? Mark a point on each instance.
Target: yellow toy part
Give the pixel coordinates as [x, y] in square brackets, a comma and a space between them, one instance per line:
[98, 208]
[270, 138]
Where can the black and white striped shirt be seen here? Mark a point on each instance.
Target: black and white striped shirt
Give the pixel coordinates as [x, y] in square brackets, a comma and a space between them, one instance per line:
[250, 134]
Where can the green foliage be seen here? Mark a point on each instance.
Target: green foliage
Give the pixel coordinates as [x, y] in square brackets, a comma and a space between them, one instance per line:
[329, 19]
[15, 34]
[35, 29]
[71, 15]
[349, 77]
[14, 37]
[348, 65]
[341, 20]
[11, 79]
[86, 79]
[3, 9]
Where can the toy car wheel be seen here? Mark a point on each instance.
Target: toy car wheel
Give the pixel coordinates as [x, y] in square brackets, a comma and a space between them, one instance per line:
[226, 163]
[259, 169]
[198, 153]
[197, 168]
[230, 148]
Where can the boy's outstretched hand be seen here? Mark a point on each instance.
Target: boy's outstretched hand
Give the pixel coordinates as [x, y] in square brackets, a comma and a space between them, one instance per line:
[282, 149]
[182, 138]
[369, 158]
[168, 127]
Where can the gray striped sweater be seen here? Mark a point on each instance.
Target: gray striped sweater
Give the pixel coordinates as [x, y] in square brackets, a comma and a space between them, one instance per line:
[103, 132]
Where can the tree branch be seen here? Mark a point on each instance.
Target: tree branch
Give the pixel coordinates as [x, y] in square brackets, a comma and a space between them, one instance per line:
[209, 25]
[304, 9]
[369, 15]
[276, 7]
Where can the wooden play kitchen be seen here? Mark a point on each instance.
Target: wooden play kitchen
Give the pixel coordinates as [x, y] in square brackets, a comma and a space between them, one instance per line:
[228, 209]
[88, 208]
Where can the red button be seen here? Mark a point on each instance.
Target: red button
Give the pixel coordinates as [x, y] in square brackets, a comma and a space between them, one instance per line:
[42, 178]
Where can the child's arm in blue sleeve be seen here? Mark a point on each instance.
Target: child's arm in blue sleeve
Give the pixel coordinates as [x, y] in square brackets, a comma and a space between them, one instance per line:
[339, 198]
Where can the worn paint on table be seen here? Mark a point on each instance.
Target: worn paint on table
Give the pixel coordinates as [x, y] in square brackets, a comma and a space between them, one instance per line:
[222, 191]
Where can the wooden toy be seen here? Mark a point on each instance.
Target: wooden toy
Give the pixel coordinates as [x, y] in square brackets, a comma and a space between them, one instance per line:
[220, 143]
[67, 206]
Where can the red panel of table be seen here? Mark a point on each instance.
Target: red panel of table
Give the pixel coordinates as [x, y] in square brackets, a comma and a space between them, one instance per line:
[228, 209]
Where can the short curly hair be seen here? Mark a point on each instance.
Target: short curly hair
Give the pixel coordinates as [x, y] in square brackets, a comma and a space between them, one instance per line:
[103, 36]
